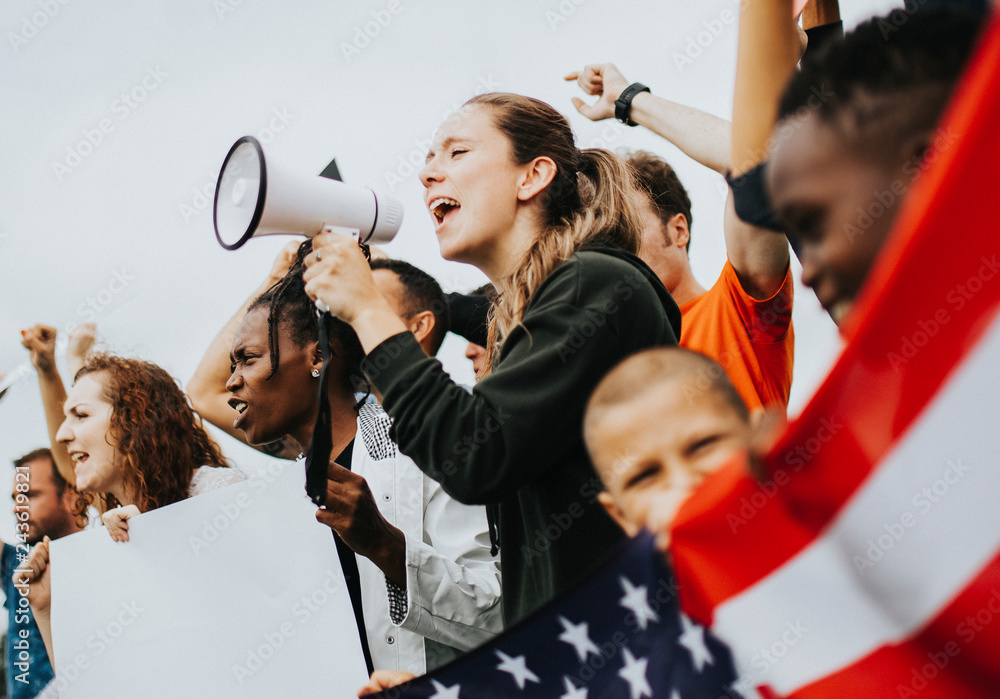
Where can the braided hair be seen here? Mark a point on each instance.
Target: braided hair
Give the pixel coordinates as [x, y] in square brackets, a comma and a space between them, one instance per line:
[286, 302]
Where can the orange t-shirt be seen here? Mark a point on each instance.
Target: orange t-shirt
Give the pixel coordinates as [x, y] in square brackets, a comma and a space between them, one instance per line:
[752, 340]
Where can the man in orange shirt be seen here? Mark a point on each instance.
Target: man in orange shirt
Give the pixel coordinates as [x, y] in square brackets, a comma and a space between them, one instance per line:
[744, 321]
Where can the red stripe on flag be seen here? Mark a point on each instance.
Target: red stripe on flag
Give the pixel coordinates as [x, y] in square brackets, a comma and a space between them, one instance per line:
[952, 658]
[877, 388]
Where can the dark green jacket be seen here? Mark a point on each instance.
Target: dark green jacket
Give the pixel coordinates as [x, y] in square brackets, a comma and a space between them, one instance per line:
[516, 442]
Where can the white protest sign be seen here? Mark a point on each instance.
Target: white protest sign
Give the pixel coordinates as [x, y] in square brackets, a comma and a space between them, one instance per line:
[237, 592]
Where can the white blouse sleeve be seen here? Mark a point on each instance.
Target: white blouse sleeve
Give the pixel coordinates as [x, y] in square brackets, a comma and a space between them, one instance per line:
[207, 478]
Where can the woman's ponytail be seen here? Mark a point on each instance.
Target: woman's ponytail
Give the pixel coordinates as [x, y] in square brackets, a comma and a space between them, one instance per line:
[592, 196]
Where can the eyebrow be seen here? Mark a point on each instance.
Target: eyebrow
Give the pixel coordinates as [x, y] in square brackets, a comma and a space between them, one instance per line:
[240, 352]
[447, 142]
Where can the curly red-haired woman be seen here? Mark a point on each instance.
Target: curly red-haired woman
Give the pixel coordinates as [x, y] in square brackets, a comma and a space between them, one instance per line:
[135, 442]
[136, 445]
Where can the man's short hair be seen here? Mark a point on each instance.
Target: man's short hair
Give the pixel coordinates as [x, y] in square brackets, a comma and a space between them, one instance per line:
[423, 293]
[44, 453]
[649, 369]
[658, 180]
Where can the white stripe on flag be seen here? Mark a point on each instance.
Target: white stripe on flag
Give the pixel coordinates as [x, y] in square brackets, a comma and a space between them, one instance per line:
[926, 523]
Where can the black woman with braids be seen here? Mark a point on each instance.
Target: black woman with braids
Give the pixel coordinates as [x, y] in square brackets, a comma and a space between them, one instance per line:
[430, 587]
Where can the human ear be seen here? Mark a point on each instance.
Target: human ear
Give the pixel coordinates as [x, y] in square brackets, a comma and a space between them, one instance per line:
[538, 174]
[677, 228]
[421, 324]
[615, 512]
[317, 358]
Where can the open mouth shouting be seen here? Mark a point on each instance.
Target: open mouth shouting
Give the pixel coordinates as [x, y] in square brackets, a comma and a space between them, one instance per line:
[441, 208]
[240, 407]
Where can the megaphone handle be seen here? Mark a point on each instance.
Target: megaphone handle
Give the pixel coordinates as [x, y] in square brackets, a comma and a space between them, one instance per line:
[320, 304]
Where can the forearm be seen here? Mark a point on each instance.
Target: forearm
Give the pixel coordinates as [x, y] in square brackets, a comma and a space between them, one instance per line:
[53, 399]
[390, 556]
[703, 137]
[376, 324]
[817, 13]
[765, 60]
[209, 380]
[45, 629]
[434, 421]
[75, 363]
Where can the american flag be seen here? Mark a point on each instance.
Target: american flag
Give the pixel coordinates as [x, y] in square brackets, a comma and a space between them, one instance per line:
[621, 634]
[869, 564]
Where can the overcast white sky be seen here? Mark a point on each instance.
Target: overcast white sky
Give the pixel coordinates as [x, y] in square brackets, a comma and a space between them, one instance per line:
[119, 230]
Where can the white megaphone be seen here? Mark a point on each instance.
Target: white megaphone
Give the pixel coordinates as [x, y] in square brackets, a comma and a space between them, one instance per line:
[253, 199]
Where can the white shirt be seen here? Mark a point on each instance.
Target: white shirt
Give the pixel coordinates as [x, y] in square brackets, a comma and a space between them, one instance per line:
[206, 478]
[452, 581]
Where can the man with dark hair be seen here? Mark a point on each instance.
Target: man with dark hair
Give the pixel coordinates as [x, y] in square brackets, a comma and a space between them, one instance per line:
[45, 505]
[417, 299]
[666, 225]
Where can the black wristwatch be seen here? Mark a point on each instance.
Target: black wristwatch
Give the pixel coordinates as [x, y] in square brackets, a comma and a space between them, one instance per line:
[623, 105]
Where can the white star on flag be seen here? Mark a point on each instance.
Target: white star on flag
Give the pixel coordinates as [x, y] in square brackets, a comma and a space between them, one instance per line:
[573, 692]
[577, 636]
[444, 692]
[693, 639]
[634, 672]
[636, 600]
[517, 667]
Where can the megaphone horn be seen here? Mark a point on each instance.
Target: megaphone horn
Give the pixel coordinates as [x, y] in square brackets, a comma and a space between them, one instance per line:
[253, 197]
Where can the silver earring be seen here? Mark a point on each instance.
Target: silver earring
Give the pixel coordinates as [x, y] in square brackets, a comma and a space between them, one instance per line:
[315, 373]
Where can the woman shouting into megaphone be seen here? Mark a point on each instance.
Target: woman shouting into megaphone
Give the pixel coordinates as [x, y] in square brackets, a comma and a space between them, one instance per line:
[556, 230]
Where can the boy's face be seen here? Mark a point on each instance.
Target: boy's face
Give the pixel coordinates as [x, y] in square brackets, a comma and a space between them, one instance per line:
[839, 208]
[654, 451]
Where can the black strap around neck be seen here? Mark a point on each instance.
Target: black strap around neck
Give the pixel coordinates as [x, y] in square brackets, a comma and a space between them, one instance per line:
[317, 464]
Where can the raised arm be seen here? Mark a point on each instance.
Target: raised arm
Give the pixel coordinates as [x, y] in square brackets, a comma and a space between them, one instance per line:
[759, 256]
[703, 137]
[34, 577]
[40, 341]
[81, 340]
[819, 13]
[769, 48]
[207, 388]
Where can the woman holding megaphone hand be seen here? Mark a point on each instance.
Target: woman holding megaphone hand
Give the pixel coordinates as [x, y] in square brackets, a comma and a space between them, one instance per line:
[556, 230]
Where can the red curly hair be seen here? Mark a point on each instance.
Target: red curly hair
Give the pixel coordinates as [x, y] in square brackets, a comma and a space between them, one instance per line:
[155, 430]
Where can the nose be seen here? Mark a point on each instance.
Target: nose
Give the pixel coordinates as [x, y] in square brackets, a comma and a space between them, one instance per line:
[430, 173]
[471, 350]
[810, 267]
[235, 381]
[65, 434]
